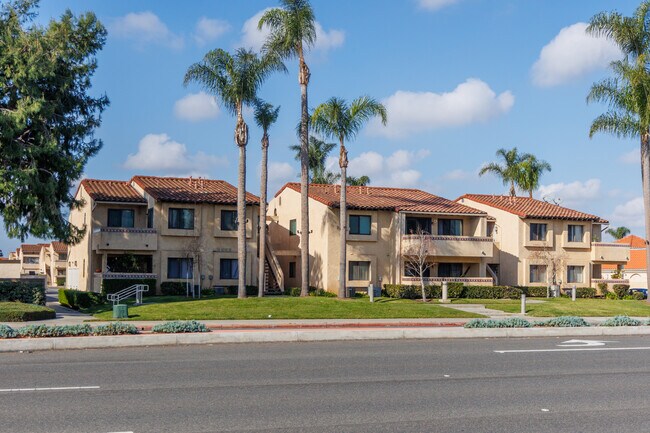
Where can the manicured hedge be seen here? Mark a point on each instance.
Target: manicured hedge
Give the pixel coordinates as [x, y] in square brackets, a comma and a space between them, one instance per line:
[60, 281]
[233, 290]
[621, 290]
[113, 286]
[534, 291]
[585, 292]
[77, 299]
[406, 291]
[172, 288]
[20, 312]
[492, 292]
[29, 292]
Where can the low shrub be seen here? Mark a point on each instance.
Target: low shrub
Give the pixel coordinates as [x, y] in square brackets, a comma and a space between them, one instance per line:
[29, 292]
[115, 285]
[602, 288]
[20, 312]
[292, 291]
[611, 295]
[207, 291]
[115, 328]
[37, 331]
[60, 281]
[563, 322]
[322, 292]
[534, 291]
[621, 321]
[77, 299]
[234, 290]
[492, 292]
[629, 298]
[179, 326]
[585, 292]
[510, 322]
[407, 291]
[621, 290]
[172, 288]
[638, 296]
[7, 332]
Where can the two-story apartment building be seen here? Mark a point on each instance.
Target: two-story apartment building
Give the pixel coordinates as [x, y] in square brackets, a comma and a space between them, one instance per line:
[383, 224]
[170, 229]
[540, 243]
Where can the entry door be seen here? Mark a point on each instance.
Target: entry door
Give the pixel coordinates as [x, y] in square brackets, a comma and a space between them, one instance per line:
[72, 279]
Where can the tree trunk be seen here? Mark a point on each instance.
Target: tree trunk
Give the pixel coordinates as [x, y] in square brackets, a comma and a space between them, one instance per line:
[262, 233]
[645, 178]
[513, 191]
[343, 223]
[424, 295]
[241, 138]
[530, 193]
[303, 78]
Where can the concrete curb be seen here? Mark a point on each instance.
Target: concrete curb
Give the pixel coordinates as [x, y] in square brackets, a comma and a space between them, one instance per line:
[306, 335]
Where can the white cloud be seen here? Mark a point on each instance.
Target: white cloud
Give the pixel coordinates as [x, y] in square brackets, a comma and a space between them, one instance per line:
[208, 30]
[280, 173]
[196, 107]
[145, 28]
[394, 170]
[254, 38]
[470, 102]
[158, 152]
[457, 174]
[629, 214]
[571, 54]
[631, 157]
[434, 5]
[571, 194]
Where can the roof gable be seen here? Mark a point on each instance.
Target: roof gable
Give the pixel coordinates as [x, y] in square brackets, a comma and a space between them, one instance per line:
[111, 191]
[633, 241]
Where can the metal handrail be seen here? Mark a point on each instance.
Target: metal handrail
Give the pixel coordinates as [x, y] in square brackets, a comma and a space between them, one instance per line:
[136, 289]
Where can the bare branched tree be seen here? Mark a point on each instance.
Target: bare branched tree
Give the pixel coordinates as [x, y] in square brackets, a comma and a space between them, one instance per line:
[553, 260]
[417, 257]
[193, 250]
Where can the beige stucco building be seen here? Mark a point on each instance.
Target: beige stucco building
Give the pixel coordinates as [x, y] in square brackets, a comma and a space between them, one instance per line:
[38, 260]
[170, 229]
[538, 243]
[382, 227]
[635, 269]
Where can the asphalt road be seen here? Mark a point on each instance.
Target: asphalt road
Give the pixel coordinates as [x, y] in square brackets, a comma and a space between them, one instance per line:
[368, 386]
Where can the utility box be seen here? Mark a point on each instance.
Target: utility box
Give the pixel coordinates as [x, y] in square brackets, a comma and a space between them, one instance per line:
[120, 311]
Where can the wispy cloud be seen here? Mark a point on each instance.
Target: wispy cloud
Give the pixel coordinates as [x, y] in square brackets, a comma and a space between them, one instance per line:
[434, 5]
[145, 28]
[209, 30]
[196, 107]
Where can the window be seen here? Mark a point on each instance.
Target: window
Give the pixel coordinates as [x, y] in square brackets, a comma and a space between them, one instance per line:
[537, 232]
[228, 220]
[450, 270]
[537, 273]
[410, 271]
[228, 269]
[179, 268]
[359, 271]
[292, 269]
[574, 274]
[63, 257]
[150, 218]
[120, 217]
[31, 260]
[293, 229]
[576, 233]
[415, 225]
[450, 227]
[360, 224]
[181, 218]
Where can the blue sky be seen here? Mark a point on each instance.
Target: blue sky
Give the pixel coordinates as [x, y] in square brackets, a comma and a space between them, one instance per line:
[460, 79]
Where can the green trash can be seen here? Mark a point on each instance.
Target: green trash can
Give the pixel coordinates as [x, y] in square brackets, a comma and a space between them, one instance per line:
[120, 311]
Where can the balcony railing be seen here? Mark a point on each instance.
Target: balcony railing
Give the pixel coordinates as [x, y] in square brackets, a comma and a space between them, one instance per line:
[137, 239]
[469, 281]
[609, 252]
[449, 246]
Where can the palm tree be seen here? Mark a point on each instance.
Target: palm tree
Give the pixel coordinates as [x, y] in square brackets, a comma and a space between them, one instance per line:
[618, 232]
[628, 92]
[317, 153]
[358, 181]
[265, 116]
[531, 170]
[235, 80]
[510, 170]
[336, 119]
[292, 31]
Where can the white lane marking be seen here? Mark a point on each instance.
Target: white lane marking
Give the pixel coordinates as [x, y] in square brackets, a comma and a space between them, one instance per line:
[584, 343]
[594, 349]
[56, 388]
[545, 410]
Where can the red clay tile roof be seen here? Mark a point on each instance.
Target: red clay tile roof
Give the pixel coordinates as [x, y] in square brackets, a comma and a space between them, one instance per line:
[632, 240]
[526, 207]
[191, 190]
[112, 191]
[32, 248]
[380, 198]
[59, 247]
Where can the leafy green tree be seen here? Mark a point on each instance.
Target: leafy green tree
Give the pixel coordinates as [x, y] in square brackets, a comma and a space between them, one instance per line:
[317, 153]
[47, 118]
[358, 181]
[618, 232]
[531, 169]
[336, 119]
[236, 80]
[265, 116]
[509, 170]
[292, 32]
[627, 92]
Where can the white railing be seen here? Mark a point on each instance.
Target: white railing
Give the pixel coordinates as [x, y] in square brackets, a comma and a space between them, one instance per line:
[135, 290]
[478, 281]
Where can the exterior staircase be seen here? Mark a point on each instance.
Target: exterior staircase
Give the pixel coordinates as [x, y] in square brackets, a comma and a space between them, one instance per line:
[271, 286]
[273, 275]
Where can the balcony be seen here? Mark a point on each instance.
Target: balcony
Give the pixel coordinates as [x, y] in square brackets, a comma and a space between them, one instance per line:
[131, 239]
[609, 252]
[468, 281]
[449, 246]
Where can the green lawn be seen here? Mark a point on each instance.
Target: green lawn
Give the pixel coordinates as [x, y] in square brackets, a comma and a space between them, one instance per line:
[566, 307]
[19, 312]
[223, 308]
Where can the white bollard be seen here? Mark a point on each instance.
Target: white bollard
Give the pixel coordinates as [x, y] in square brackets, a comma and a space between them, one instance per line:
[371, 292]
[523, 303]
[573, 293]
[444, 292]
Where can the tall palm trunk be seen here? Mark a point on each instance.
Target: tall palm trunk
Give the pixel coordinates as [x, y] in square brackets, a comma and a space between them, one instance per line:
[241, 138]
[645, 178]
[303, 78]
[513, 191]
[263, 187]
[343, 223]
